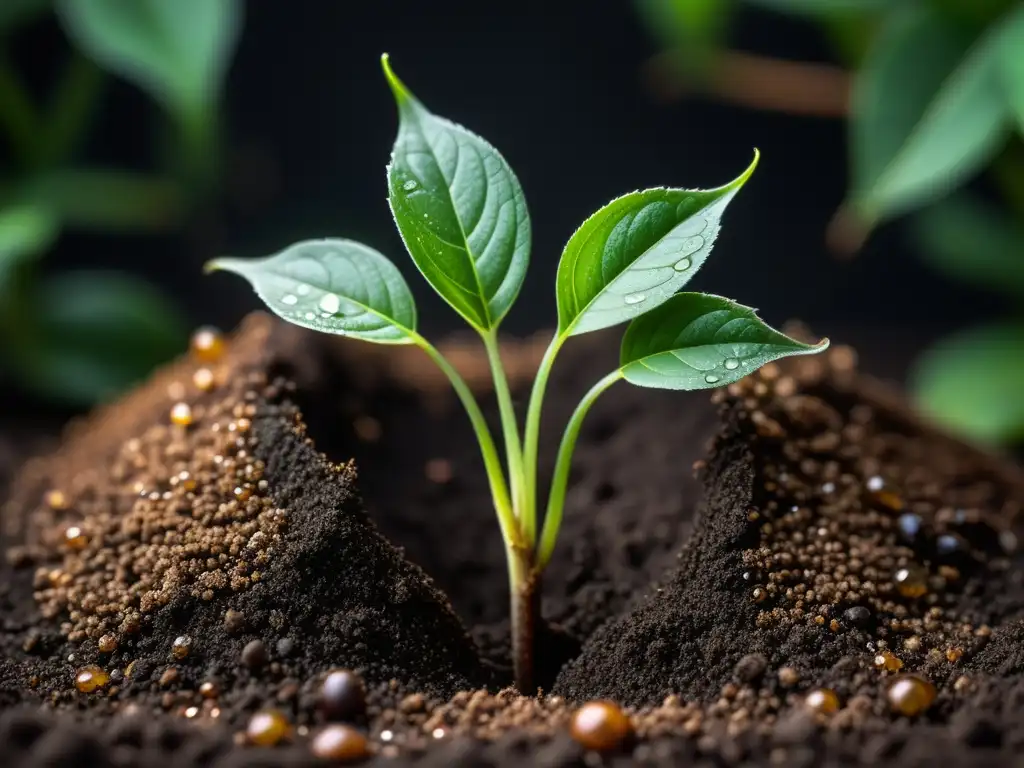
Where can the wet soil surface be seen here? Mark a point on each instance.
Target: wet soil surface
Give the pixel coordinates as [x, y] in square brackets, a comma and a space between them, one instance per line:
[170, 572]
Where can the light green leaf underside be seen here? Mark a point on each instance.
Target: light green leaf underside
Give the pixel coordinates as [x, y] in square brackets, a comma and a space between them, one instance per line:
[333, 286]
[460, 211]
[972, 382]
[636, 252]
[697, 341]
[927, 113]
[1011, 63]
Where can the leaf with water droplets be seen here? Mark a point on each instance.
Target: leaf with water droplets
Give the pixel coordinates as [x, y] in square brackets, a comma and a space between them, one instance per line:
[459, 209]
[333, 286]
[697, 341]
[634, 253]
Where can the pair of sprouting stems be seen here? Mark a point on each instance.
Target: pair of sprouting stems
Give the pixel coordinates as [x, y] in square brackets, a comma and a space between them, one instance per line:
[462, 215]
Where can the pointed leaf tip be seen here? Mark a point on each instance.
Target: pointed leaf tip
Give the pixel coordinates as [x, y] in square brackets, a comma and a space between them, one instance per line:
[398, 88]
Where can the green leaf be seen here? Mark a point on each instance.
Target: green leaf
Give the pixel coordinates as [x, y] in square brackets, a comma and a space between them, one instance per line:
[636, 252]
[177, 51]
[333, 286]
[14, 13]
[818, 9]
[697, 341]
[926, 116]
[1011, 63]
[460, 210]
[25, 232]
[972, 382]
[99, 333]
[692, 28]
[106, 199]
[973, 242]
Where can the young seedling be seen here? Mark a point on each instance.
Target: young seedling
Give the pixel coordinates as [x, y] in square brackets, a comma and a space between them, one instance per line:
[462, 215]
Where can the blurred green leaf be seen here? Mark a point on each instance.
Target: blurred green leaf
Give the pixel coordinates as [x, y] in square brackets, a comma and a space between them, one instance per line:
[25, 232]
[14, 13]
[973, 242]
[178, 50]
[973, 382]
[825, 8]
[926, 115]
[99, 332]
[107, 199]
[1011, 61]
[693, 28]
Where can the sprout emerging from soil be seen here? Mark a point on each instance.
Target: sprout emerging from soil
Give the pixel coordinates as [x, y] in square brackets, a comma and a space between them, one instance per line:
[463, 218]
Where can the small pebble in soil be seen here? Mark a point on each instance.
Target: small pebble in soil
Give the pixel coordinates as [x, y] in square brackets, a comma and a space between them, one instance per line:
[750, 668]
[438, 471]
[181, 414]
[601, 726]
[207, 344]
[953, 655]
[858, 616]
[91, 678]
[285, 647]
[340, 743]
[181, 647]
[254, 655]
[75, 538]
[888, 662]
[56, 499]
[268, 728]
[788, 677]
[342, 695]
[234, 621]
[203, 379]
[823, 701]
[209, 690]
[107, 644]
[169, 677]
[910, 695]
[911, 581]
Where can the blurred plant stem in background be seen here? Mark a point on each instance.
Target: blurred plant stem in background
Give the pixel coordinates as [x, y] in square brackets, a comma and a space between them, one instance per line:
[83, 336]
[933, 91]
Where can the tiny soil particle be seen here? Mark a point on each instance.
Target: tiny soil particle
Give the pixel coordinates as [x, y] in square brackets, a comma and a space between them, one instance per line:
[234, 621]
[340, 743]
[788, 677]
[209, 690]
[254, 655]
[169, 677]
[90, 679]
[107, 644]
[750, 667]
[888, 662]
[342, 695]
[601, 726]
[910, 695]
[268, 728]
[181, 647]
[824, 701]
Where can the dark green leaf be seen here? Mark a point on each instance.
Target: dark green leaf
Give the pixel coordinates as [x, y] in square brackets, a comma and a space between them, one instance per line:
[972, 382]
[694, 29]
[178, 51]
[636, 252]
[460, 210]
[697, 341]
[824, 8]
[333, 286]
[973, 242]
[1011, 62]
[25, 232]
[99, 333]
[926, 115]
[13, 13]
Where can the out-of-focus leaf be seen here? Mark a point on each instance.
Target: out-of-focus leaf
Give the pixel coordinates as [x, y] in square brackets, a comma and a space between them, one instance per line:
[1011, 63]
[25, 232]
[694, 28]
[972, 382]
[973, 242]
[99, 333]
[177, 50]
[825, 8]
[107, 199]
[926, 115]
[14, 13]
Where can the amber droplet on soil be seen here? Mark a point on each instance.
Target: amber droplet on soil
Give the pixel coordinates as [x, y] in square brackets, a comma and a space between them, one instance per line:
[268, 728]
[910, 695]
[601, 726]
[75, 538]
[203, 379]
[888, 662]
[911, 581]
[889, 500]
[342, 695]
[181, 647]
[91, 678]
[340, 743]
[181, 414]
[209, 690]
[56, 499]
[823, 701]
[208, 344]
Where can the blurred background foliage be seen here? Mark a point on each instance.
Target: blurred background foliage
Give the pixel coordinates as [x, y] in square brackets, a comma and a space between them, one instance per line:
[932, 92]
[81, 335]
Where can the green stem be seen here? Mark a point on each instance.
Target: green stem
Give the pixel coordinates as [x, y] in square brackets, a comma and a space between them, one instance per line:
[492, 461]
[532, 437]
[509, 426]
[560, 480]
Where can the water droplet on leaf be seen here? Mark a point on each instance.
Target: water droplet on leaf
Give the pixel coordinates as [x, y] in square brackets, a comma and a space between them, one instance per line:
[330, 304]
[731, 364]
[409, 186]
[635, 298]
[302, 290]
[712, 379]
[682, 265]
[290, 299]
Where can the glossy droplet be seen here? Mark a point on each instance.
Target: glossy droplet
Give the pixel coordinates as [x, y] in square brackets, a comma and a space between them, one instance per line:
[342, 695]
[712, 379]
[910, 695]
[600, 726]
[303, 290]
[410, 185]
[207, 344]
[683, 264]
[268, 728]
[75, 538]
[290, 299]
[181, 414]
[91, 678]
[340, 743]
[823, 701]
[203, 379]
[731, 363]
[330, 304]
[911, 581]
[635, 298]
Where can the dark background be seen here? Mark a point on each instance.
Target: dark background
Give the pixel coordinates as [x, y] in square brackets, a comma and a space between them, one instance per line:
[557, 87]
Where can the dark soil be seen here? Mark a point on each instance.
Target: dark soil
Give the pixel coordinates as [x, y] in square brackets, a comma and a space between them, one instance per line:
[713, 634]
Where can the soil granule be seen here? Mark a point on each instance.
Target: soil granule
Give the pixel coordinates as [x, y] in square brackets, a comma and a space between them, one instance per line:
[839, 543]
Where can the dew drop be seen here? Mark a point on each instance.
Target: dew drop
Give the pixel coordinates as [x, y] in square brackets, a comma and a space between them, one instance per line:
[712, 379]
[635, 298]
[731, 364]
[330, 304]
[290, 299]
[682, 265]
[309, 316]
[409, 186]
[302, 290]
